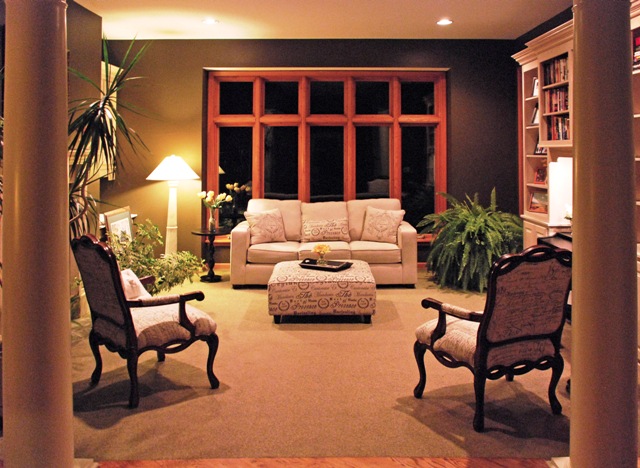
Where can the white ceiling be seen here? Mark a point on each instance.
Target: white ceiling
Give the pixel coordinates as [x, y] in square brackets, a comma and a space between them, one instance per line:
[329, 19]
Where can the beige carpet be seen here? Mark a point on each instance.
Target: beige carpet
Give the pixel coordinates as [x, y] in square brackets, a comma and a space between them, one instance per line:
[313, 389]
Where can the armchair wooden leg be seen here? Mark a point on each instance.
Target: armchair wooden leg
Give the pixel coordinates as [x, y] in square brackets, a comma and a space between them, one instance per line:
[479, 382]
[212, 342]
[95, 349]
[132, 367]
[419, 349]
[557, 368]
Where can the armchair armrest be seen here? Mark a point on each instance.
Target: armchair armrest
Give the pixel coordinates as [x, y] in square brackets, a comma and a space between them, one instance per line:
[461, 312]
[181, 299]
[150, 279]
[445, 309]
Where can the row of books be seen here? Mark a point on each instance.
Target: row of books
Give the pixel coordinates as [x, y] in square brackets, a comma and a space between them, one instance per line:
[558, 128]
[556, 100]
[556, 70]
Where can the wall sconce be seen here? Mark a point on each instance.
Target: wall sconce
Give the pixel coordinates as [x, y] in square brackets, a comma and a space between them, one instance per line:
[172, 169]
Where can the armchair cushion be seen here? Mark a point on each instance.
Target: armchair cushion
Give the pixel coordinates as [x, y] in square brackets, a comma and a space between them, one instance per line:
[266, 226]
[156, 326]
[459, 341]
[382, 225]
[132, 286]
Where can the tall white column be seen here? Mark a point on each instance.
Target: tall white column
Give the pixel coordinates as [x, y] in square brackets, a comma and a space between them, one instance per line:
[604, 342]
[37, 399]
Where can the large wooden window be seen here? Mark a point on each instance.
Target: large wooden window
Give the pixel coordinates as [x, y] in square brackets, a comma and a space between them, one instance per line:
[320, 134]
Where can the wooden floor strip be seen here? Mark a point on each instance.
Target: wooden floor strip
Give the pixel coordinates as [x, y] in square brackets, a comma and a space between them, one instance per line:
[365, 462]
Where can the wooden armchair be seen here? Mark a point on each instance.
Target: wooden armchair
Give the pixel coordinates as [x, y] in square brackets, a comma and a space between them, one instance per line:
[519, 330]
[133, 323]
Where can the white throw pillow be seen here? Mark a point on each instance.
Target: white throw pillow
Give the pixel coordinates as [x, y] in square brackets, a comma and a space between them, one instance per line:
[266, 226]
[133, 288]
[381, 225]
[325, 230]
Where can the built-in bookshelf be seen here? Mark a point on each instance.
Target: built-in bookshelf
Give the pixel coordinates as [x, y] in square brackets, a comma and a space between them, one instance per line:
[545, 140]
[635, 83]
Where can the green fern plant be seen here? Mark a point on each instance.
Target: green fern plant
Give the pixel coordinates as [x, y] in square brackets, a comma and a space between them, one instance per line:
[468, 239]
[138, 255]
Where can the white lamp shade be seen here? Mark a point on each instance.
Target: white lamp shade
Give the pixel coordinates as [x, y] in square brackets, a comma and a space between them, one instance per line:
[173, 168]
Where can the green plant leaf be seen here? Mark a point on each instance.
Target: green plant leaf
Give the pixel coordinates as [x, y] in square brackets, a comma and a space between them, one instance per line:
[468, 238]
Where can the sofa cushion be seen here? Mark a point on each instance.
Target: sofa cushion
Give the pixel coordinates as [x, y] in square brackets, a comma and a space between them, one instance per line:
[290, 210]
[357, 210]
[381, 225]
[375, 252]
[325, 230]
[339, 250]
[324, 221]
[273, 252]
[266, 226]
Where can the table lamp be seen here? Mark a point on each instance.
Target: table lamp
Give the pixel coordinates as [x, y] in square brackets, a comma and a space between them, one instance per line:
[172, 169]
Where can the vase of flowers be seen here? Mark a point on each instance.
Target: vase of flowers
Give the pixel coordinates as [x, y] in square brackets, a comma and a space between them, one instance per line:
[321, 250]
[239, 195]
[213, 202]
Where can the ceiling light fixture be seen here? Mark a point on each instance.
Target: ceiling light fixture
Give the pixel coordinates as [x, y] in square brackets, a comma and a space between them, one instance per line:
[444, 22]
[210, 20]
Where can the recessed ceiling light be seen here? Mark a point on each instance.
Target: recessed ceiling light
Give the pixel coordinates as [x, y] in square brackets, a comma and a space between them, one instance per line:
[444, 22]
[210, 21]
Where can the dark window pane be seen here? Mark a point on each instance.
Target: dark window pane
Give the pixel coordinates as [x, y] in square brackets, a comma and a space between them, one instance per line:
[372, 162]
[281, 162]
[418, 158]
[281, 97]
[236, 97]
[327, 97]
[417, 98]
[235, 161]
[327, 163]
[372, 97]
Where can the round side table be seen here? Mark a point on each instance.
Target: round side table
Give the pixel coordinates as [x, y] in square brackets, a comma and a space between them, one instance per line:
[210, 258]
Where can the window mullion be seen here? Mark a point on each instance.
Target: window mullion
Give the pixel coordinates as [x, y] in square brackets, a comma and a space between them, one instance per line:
[257, 175]
[304, 147]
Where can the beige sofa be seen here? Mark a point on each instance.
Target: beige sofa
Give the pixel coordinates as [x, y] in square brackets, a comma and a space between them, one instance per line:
[279, 230]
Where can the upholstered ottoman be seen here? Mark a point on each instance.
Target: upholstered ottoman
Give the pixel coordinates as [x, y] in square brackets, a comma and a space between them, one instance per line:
[294, 290]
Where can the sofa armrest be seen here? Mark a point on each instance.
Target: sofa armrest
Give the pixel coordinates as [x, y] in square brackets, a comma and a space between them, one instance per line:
[408, 243]
[407, 234]
[240, 242]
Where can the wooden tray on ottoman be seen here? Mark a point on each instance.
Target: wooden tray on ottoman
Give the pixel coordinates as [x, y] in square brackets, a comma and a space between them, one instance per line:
[330, 265]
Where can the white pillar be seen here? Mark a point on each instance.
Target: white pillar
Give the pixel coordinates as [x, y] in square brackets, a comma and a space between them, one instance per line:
[37, 399]
[604, 342]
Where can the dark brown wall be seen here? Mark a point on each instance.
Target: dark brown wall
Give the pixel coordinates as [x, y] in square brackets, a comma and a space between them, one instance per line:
[84, 34]
[481, 93]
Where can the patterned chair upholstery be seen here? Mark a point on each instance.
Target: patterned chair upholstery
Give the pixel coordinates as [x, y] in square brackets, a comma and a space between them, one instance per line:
[518, 331]
[127, 320]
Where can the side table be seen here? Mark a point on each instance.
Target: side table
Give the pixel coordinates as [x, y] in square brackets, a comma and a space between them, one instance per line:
[210, 258]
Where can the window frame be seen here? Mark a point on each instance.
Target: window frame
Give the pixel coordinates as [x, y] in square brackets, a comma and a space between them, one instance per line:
[395, 120]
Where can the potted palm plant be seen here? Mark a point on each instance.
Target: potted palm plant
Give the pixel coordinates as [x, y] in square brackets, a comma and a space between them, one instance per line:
[468, 239]
[93, 124]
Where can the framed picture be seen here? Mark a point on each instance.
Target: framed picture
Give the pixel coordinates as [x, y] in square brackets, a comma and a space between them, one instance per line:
[119, 222]
[538, 202]
[534, 87]
[540, 175]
